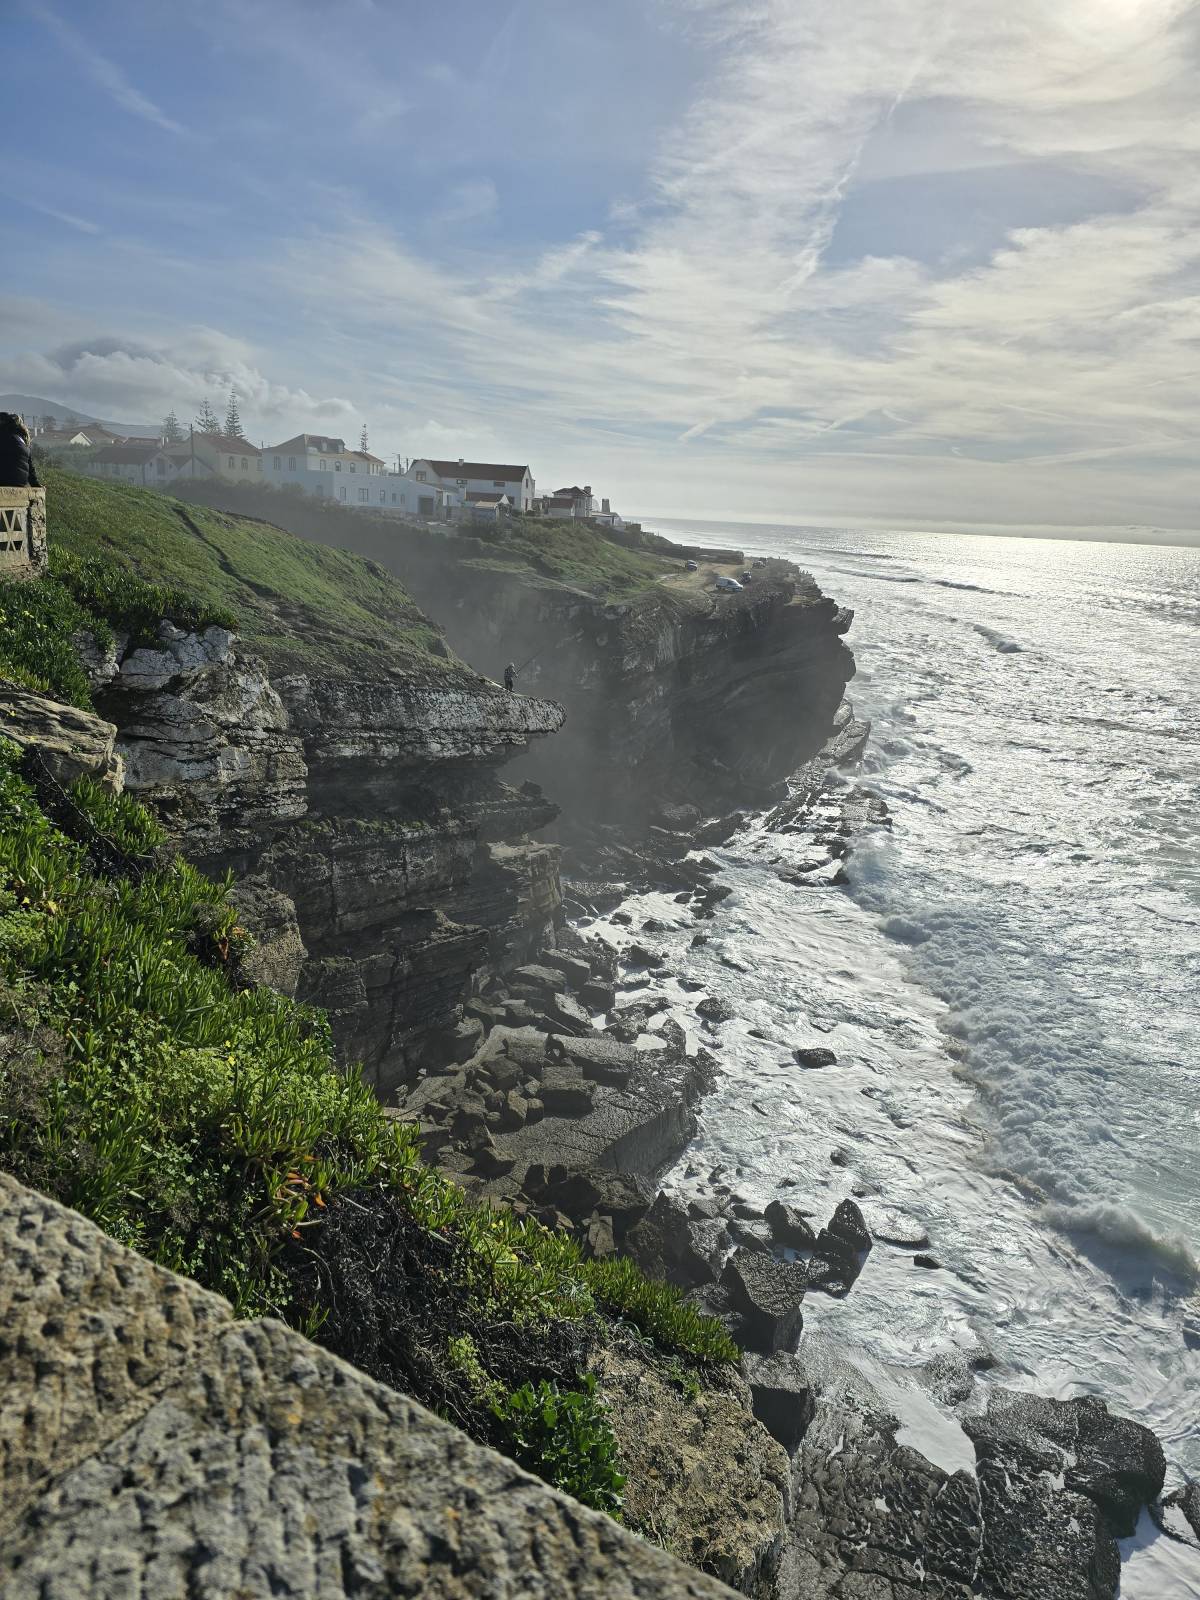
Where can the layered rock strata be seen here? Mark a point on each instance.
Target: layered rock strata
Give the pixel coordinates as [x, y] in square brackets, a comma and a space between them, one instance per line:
[373, 810]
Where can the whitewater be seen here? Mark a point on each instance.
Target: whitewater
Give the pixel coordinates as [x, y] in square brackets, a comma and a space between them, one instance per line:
[1008, 980]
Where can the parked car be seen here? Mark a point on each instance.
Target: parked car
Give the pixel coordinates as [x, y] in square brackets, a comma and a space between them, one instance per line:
[728, 585]
[692, 566]
[747, 577]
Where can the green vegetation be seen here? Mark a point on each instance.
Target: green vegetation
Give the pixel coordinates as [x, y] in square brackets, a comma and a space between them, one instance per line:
[205, 1124]
[573, 553]
[566, 1438]
[657, 1309]
[38, 618]
[302, 605]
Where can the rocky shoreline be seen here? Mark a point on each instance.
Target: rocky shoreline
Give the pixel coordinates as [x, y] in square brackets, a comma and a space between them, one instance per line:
[390, 876]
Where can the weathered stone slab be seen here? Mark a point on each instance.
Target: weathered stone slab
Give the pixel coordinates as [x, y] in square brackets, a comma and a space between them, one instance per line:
[154, 1449]
[72, 743]
[90, 1336]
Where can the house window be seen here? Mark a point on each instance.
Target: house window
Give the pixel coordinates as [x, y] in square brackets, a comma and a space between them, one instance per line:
[420, 477]
[341, 493]
[461, 482]
[291, 463]
[383, 497]
[278, 463]
[362, 493]
[322, 465]
[337, 467]
[230, 460]
[497, 483]
[245, 464]
[393, 497]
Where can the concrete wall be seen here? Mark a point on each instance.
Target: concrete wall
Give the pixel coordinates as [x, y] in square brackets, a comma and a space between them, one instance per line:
[153, 1448]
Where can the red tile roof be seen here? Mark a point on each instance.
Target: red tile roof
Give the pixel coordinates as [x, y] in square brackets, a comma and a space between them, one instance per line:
[231, 445]
[129, 455]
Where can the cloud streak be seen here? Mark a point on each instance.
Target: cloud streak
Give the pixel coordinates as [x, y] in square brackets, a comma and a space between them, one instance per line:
[105, 73]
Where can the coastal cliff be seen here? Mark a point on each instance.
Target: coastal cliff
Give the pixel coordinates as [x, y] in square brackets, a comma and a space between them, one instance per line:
[480, 1229]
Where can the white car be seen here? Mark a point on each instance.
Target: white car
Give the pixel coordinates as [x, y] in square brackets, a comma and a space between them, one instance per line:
[728, 585]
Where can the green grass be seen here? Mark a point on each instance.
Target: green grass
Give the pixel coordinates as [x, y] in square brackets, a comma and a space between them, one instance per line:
[574, 554]
[38, 618]
[303, 606]
[205, 1123]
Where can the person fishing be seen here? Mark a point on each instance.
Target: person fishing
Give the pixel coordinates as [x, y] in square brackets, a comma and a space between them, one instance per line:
[510, 677]
[17, 469]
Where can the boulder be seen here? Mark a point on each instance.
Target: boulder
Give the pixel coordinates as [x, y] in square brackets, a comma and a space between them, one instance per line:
[562, 1013]
[789, 1226]
[598, 995]
[535, 979]
[602, 1059]
[620, 1196]
[768, 1295]
[574, 969]
[637, 955]
[782, 1396]
[713, 1010]
[666, 1244]
[564, 1092]
[815, 1056]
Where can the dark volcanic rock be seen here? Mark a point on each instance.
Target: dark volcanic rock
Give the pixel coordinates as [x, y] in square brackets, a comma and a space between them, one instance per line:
[839, 1250]
[767, 1293]
[602, 1059]
[713, 1010]
[790, 1226]
[930, 1263]
[782, 1395]
[666, 1244]
[1118, 1465]
[564, 1093]
[815, 1056]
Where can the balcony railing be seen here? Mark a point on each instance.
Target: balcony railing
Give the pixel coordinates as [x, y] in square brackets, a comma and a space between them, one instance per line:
[22, 532]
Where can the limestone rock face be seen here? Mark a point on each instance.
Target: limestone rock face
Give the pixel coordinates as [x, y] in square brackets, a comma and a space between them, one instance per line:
[205, 739]
[72, 743]
[706, 1478]
[155, 1448]
[370, 809]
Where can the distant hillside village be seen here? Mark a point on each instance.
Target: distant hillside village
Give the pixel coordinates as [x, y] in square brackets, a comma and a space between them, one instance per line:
[319, 465]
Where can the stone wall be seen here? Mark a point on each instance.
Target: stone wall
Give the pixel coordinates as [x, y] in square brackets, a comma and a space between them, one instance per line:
[22, 533]
[153, 1448]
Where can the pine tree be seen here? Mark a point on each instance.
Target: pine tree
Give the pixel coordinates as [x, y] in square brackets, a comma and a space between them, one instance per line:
[171, 431]
[233, 420]
[206, 422]
[362, 442]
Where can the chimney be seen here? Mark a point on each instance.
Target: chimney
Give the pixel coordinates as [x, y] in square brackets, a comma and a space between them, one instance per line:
[604, 507]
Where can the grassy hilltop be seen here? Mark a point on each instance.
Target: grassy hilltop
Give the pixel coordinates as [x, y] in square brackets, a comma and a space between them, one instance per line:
[303, 606]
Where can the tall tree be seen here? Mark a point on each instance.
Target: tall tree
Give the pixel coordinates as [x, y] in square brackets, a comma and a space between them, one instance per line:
[233, 419]
[49, 422]
[207, 422]
[362, 440]
[171, 431]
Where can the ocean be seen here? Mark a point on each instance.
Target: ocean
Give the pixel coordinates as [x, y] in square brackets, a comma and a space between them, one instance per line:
[1009, 980]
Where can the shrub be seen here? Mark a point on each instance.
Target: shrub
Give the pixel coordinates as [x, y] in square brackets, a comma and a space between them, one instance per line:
[566, 1438]
[658, 1309]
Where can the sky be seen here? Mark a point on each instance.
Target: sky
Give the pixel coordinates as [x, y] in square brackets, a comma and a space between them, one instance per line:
[911, 263]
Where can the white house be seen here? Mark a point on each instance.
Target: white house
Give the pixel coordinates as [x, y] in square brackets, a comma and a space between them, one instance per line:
[322, 465]
[461, 478]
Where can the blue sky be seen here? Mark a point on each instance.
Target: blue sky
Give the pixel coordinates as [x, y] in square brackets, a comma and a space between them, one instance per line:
[919, 265]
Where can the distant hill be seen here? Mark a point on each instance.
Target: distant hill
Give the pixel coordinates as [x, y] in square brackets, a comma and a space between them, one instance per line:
[32, 405]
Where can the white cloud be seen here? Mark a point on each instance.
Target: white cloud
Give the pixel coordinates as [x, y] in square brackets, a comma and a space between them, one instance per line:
[703, 346]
